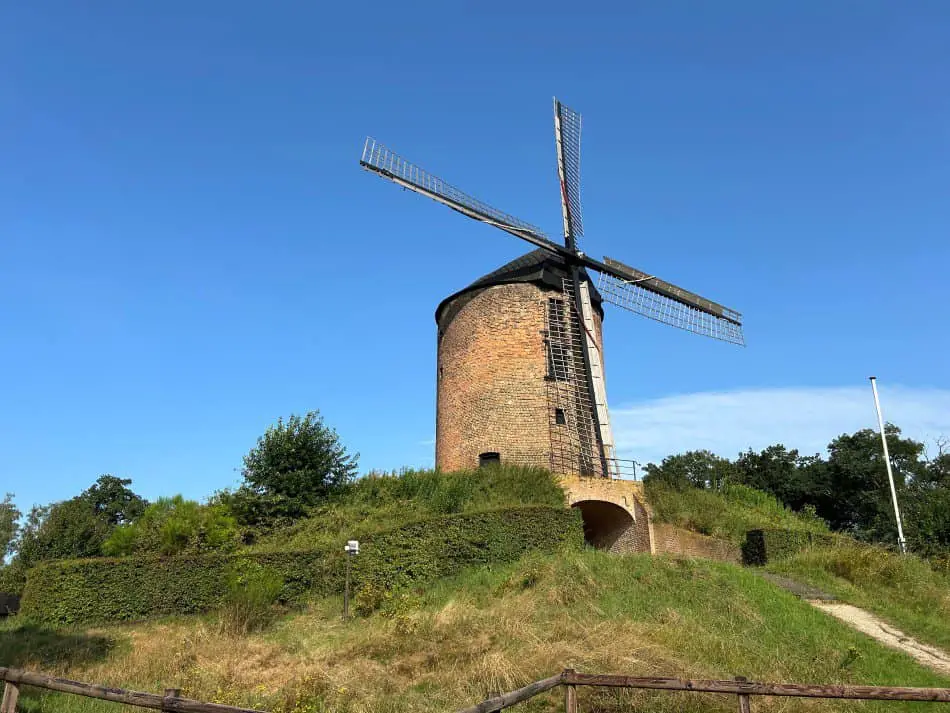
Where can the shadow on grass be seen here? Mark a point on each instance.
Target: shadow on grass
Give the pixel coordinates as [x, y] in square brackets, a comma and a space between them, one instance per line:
[36, 646]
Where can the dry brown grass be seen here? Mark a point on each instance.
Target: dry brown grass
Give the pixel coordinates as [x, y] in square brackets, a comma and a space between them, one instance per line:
[493, 631]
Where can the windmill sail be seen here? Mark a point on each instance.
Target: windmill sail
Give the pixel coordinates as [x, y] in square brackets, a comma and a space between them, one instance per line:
[581, 436]
[567, 132]
[660, 300]
[567, 136]
[388, 164]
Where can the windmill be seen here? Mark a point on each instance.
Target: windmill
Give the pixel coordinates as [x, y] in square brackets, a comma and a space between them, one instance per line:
[583, 443]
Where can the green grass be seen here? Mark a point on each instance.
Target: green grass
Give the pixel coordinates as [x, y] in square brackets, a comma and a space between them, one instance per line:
[380, 501]
[448, 645]
[727, 514]
[904, 590]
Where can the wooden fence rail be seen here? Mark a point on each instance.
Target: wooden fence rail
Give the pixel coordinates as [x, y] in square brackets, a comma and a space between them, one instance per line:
[744, 690]
[741, 687]
[15, 678]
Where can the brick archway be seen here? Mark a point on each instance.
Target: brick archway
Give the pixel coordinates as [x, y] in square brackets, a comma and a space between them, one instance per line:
[606, 526]
[615, 516]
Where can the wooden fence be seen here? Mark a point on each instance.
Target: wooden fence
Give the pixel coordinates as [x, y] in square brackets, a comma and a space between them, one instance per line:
[743, 690]
[171, 700]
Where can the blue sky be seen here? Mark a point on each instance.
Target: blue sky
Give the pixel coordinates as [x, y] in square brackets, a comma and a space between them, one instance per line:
[189, 249]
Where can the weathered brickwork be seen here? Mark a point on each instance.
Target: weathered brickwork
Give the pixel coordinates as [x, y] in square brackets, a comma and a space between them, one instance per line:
[493, 397]
[599, 499]
[674, 540]
[492, 394]
[644, 535]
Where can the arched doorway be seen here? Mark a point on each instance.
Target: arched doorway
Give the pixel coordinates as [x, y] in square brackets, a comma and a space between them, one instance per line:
[606, 524]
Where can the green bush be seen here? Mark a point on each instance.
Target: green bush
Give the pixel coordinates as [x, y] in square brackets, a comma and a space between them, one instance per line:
[381, 501]
[108, 589]
[174, 526]
[728, 513]
[768, 545]
[113, 589]
[253, 591]
[12, 578]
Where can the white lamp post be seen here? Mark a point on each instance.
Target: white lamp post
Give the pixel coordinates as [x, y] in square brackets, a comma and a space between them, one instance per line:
[887, 461]
[351, 548]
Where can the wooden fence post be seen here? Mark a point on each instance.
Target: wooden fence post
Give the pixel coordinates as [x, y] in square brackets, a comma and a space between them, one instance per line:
[745, 701]
[170, 693]
[570, 695]
[11, 692]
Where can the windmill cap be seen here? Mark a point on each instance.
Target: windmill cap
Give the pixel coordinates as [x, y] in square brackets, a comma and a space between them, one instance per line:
[540, 267]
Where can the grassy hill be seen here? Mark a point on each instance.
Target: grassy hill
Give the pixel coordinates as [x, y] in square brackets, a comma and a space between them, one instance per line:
[904, 590]
[383, 501]
[448, 644]
[726, 514]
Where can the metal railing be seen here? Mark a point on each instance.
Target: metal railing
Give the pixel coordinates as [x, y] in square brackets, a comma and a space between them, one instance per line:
[623, 468]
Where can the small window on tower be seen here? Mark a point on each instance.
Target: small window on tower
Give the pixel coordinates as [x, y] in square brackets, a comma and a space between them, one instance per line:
[488, 459]
[559, 417]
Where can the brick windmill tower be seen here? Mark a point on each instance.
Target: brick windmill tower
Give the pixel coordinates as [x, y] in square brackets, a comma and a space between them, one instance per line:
[520, 365]
[504, 381]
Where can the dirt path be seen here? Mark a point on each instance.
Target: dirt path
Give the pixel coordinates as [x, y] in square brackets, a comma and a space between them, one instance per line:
[869, 624]
[802, 591]
[865, 622]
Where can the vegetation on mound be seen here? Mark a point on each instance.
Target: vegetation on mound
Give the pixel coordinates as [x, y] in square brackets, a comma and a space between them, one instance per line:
[132, 588]
[448, 645]
[382, 501]
[848, 489]
[728, 513]
[904, 590]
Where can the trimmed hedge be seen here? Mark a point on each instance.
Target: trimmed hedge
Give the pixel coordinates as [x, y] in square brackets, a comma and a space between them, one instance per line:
[112, 589]
[12, 578]
[767, 545]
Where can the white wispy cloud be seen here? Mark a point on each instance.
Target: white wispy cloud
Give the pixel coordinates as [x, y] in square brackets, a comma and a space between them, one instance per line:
[803, 418]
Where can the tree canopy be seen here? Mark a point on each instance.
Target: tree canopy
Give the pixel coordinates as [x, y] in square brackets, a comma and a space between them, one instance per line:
[9, 525]
[848, 489]
[295, 465]
[78, 527]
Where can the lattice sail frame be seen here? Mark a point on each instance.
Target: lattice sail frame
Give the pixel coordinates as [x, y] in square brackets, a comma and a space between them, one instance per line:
[389, 164]
[575, 449]
[623, 286]
[637, 298]
[619, 284]
[567, 129]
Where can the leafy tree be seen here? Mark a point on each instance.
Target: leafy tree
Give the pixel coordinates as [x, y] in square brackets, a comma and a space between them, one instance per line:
[848, 489]
[774, 470]
[926, 516]
[938, 468]
[925, 506]
[78, 527]
[174, 525]
[9, 525]
[698, 469]
[64, 530]
[113, 501]
[297, 463]
[857, 494]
